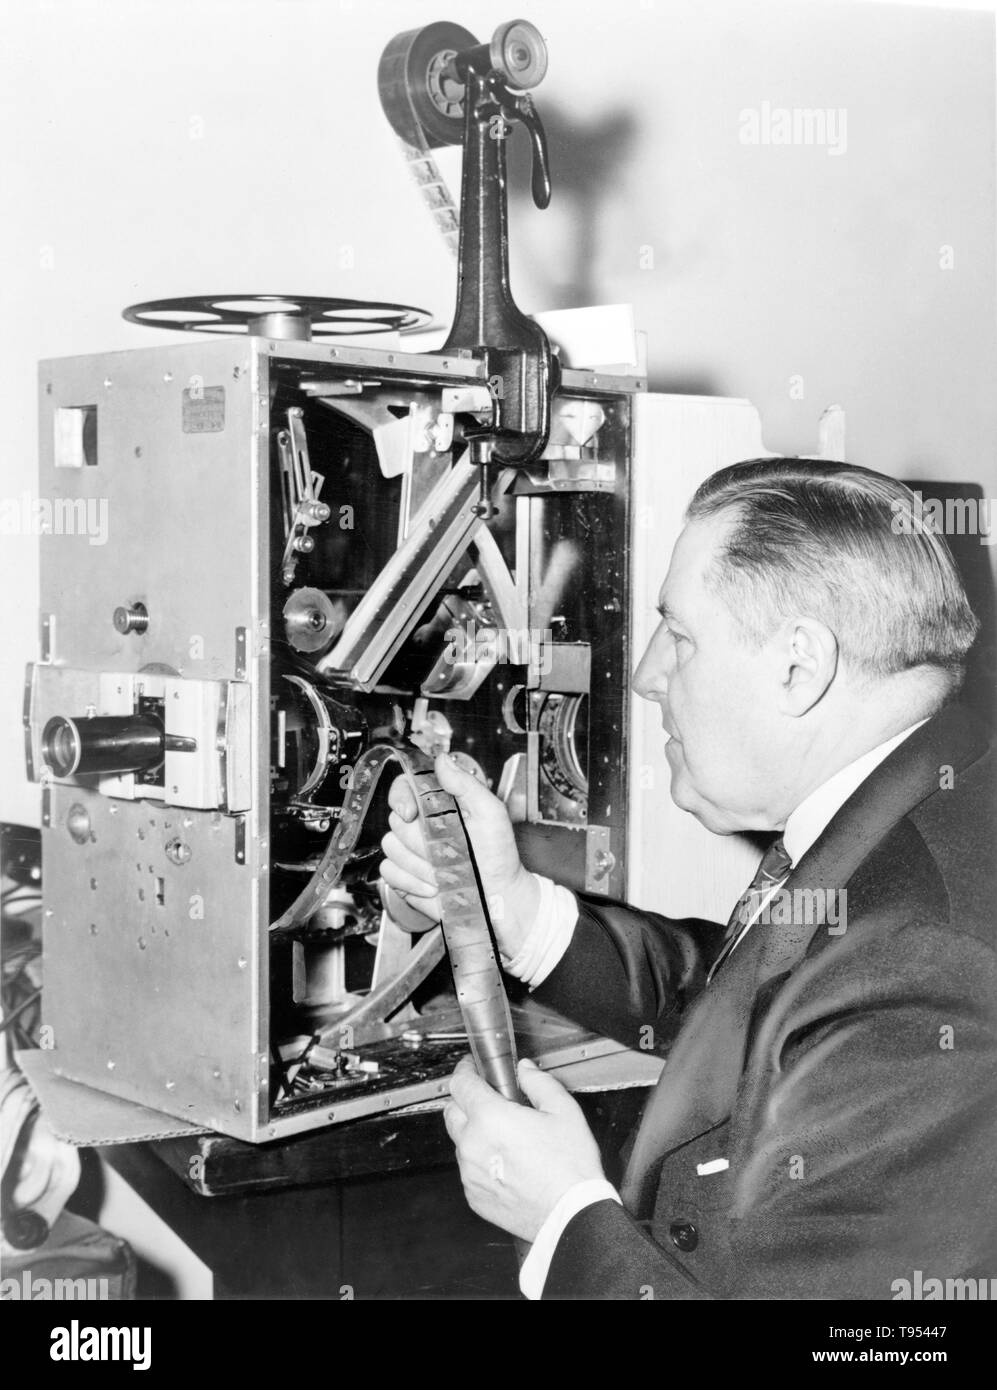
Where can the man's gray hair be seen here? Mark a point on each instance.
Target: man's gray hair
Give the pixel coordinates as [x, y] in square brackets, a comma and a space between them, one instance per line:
[847, 546]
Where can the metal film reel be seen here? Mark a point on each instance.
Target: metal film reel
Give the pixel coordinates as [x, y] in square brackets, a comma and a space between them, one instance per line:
[284, 316]
[421, 95]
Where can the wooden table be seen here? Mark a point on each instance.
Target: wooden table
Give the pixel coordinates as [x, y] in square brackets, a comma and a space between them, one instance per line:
[370, 1209]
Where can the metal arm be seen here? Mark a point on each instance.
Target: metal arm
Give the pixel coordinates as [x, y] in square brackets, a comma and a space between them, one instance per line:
[521, 368]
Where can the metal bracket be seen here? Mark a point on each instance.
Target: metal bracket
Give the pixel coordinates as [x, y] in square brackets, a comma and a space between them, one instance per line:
[299, 493]
[520, 367]
[600, 861]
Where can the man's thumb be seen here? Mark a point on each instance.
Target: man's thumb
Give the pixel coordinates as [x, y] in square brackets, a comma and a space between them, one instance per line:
[541, 1090]
[472, 794]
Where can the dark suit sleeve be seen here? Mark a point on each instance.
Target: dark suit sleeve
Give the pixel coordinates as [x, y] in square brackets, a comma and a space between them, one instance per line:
[605, 1254]
[626, 969]
[863, 1149]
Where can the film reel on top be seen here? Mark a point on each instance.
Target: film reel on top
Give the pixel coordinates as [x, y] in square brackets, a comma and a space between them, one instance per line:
[420, 82]
[286, 316]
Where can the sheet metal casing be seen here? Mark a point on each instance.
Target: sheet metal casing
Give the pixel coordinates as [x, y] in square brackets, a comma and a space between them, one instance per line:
[160, 1004]
[166, 1004]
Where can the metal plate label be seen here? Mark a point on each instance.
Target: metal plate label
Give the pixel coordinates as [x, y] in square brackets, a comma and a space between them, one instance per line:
[203, 409]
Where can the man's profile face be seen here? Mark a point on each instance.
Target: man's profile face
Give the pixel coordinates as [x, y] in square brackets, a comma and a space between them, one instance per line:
[718, 696]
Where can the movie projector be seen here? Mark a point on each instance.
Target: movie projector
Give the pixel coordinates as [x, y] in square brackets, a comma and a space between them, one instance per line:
[325, 560]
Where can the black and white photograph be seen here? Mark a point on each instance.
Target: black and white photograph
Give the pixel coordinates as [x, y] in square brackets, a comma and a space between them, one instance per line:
[498, 541]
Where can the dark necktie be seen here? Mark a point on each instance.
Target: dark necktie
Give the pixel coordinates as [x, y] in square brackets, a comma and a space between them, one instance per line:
[774, 867]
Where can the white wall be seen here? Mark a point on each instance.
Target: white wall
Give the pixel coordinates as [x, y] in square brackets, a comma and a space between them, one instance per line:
[155, 149]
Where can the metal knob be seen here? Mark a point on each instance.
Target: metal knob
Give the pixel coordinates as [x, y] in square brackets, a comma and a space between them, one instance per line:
[131, 617]
[518, 52]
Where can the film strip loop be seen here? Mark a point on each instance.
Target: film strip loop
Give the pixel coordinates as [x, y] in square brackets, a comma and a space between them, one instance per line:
[466, 931]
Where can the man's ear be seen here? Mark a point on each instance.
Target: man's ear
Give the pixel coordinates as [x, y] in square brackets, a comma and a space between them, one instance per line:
[808, 654]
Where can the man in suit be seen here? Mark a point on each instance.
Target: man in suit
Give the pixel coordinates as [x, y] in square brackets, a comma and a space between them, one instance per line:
[826, 1122]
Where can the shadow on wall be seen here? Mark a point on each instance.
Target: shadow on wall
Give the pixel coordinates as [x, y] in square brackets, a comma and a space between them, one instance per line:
[586, 161]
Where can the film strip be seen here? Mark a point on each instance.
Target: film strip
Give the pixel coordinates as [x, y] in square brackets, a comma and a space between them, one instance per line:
[433, 188]
[464, 922]
[424, 103]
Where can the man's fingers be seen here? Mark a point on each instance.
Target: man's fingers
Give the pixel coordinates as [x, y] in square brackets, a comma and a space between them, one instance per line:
[403, 882]
[469, 1091]
[406, 859]
[454, 1119]
[410, 834]
[401, 799]
[412, 914]
[406, 869]
[542, 1091]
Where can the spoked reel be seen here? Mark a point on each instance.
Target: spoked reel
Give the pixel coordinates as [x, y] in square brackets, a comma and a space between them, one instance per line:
[285, 316]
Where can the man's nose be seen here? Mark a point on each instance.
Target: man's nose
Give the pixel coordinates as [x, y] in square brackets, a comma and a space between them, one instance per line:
[649, 681]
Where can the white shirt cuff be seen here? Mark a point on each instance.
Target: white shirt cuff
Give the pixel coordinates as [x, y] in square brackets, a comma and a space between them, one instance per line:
[536, 1266]
[548, 938]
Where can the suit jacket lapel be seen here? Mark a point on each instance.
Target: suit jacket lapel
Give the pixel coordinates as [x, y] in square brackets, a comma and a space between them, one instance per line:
[697, 1087]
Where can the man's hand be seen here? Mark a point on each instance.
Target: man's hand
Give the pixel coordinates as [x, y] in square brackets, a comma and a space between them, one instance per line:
[511, 892]
[516, 1163]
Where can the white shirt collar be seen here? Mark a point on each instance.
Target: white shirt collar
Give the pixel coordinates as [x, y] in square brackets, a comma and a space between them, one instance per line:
[810, 818]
